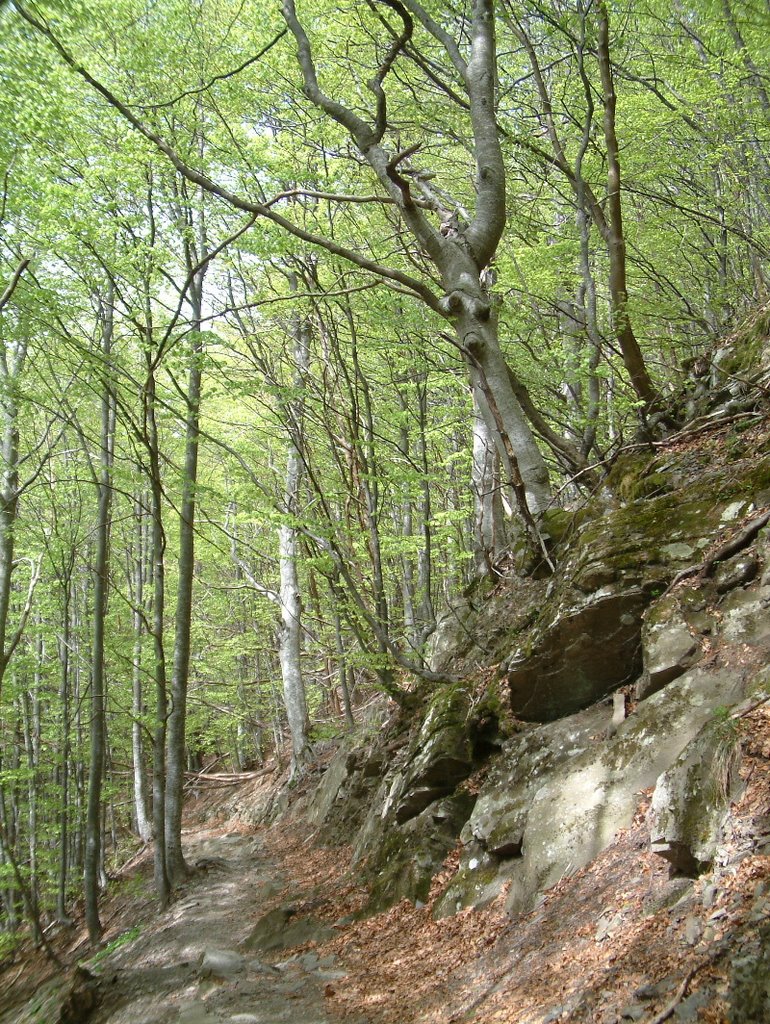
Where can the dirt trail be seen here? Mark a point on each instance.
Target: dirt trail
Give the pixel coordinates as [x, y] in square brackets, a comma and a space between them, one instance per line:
[191, 965]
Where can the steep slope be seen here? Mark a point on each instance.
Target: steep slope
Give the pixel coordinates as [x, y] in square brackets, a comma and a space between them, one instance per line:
[612, 699]
[575, 826]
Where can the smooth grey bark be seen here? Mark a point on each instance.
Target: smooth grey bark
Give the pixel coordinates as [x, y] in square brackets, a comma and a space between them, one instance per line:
[141, 577]
[425, 554]
[177, 721]
[158, 549]
[93, 847]
[290, 633]
[489, 540]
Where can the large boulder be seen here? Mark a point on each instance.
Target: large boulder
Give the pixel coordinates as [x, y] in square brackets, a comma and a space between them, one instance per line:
[587, 638]
[417, 810]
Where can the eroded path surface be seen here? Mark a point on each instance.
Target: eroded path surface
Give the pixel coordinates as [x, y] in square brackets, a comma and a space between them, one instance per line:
[196, 963]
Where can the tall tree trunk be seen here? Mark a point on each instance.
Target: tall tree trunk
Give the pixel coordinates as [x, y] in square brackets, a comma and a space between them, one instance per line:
[290, 638]
[101, 570]
[616, 242]
[176, 763]
[488, 524]
[141, 574]
[425, 555]
[158, 550]
[64, 769]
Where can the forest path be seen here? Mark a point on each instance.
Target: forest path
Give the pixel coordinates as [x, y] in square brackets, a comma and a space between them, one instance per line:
[192, 964]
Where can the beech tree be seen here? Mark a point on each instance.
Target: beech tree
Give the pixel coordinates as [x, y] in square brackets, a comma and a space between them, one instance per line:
[459, 252]
[513, 228]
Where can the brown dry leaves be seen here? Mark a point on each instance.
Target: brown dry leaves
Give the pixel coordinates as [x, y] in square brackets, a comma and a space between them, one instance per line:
[482, 967]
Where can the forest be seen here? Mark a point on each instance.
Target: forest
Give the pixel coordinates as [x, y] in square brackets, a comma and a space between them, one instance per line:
[311, 315]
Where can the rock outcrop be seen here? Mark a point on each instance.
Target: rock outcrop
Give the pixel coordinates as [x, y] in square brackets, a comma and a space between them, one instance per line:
[533, 774]
[578, 691]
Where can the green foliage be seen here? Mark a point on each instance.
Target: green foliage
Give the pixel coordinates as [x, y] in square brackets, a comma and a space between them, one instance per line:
[124, 939]
[385, 515]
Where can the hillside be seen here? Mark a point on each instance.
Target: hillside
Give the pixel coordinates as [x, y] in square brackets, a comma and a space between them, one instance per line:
[573, 826]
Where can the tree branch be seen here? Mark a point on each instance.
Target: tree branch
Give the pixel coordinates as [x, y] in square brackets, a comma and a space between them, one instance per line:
[486, 229]
[217, 78]
[413, 286]
[5, 298]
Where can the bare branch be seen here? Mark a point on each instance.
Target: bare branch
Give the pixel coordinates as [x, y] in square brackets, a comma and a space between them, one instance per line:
[395, 177]
[397, 46]
[412, 285]
[5, 298]
[365, 138]
[212, 81]
[334, 197]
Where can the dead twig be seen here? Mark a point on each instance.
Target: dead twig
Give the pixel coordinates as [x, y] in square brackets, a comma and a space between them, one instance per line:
[681, 992]
[229, 777]
[730, 547]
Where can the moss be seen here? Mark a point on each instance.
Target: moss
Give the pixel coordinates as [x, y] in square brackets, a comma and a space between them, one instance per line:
[757, 478]
[627, 466]
[558, 523]
[747, 346]
[407, 857]
[649, 485]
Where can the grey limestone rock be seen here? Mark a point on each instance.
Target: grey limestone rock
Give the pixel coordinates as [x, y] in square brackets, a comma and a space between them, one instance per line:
[668, 644]
[222, 963]
[691, 797]
[562, 791]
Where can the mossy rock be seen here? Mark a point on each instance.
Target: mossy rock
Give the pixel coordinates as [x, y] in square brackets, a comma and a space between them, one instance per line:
[408, 856]
[691, 798]
[558, 524]
[440, 755]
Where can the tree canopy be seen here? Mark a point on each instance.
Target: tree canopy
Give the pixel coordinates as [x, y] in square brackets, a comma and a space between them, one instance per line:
[309, 315]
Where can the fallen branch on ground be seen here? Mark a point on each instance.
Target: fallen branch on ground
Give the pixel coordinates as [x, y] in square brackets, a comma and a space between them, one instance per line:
[730, 547]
